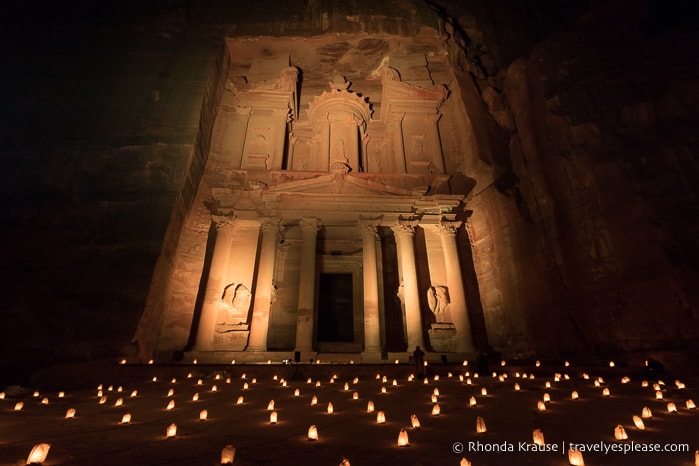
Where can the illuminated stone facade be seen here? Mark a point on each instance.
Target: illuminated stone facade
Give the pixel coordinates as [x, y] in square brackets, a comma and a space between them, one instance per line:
[333, 210]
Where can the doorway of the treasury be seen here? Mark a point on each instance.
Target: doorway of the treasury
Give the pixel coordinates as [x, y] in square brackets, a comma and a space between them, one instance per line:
[338, 316]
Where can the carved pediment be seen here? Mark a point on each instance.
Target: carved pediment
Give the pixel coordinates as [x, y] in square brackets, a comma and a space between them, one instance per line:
[341, 183]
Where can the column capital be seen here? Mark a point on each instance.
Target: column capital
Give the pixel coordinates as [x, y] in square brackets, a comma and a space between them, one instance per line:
[449, 227]
[405, 226]
[369, 224]
[224, 222]
[271, 224]
[309, 225]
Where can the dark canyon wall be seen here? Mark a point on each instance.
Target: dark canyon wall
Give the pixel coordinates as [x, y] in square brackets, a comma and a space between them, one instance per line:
[584, 115]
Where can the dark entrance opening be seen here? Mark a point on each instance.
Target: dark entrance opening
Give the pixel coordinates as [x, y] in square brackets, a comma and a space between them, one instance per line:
[335, 308]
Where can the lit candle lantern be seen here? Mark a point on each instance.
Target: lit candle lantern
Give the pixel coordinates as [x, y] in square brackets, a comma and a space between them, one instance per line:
[541, 406]
[696, 458]
[586, 376]
[345, 462]
[254, 380]
[171, 430]
[596, 383]
[435, 391]
[575, 458]
[384, 379]
[61, 394]
[228, 380]
[574, 395]
[638, 422]
[99, 393]
[239, 401]
[134, 394]
[309, 380]
[370, 407]
[174, 380]
[516, 387]
[171, 404]
[548, 384]
[620, 433]
[70, 413]
[284, 383]
[425, 381]
[461, 378]
[110, 388]
[195, 361]
[200, 382]
[394, 383]
[484, 391]
[480, 425]
[123, 361]
[378, 376]
[270, 405]
[472, 401]
[126, 418]
[436, 377]
[189, 375]
[195, 397]
[611, 363]
[547, 398]
[312, 433]
[273, 417]
[501, 378]
[434, 398]
[171, 392]
[656, 386]
[646, 413]
[605, 392]
[355, 396]
[214, 388]
[2, 395]
[380, 417]
[690, 404]
[625, 379]
[119, 402]
[464, 462]
[318, 383]
[644, 383]
[383, 389]
[679, 385]
[330, 408]
[355, 380]
[465, 363]
[658, 395]
[150, 361]
[44, 401]
[468, 381]
[103, 400]
[203, 414]
[671, 408]
[314, 400]
[216, 377]
[538, 437]
[246, 386]
[566, 363]
[403, 438]
[414, 421]
[436, 410]
[537, 363]
[227, 454]
[39, 453]
[297, 392]
[155, 378]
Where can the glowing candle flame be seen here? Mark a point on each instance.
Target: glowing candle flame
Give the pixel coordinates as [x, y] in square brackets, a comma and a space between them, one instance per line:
[620, 433]
[472, 401]
[575, 458]
[330, 408]
[690, 404]
[126, 418]
[171, 404]
[370, 407]
[414, 421]
[314, 400]
[270, 405]
[239, 401]
[538, 437]
[480, 425]
[70, 413]
[671, 408]
[227, 454]
[119, 402]
[516, 387]
[297, 392]
[312, 433]
[203, 414]
[355, 396]
[638, 422]
[273, 417]
[171, 430]
[39, 453]
[403, 438]
[646, 413]
[195, 397]
[574, 395]
[541, 406]
[380, 417]
[436, 410]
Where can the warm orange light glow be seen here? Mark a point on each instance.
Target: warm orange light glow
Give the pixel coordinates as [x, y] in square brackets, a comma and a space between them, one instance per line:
[541, 406]
[355, 396]
[246, 386]
[671, 408]
[574, 395]
[297, 392]
[214, 388]
[119, 402]
[638, 422]
[171, 392]
[346, 386]
[484, 391]
[330, 408]
[273, 417]
[44, 401]
[547, 398]
[103, 400]
[227, 454]
[690, 404]
[679, 385]
[203, 414]
[370, 407]
[171, 404]
[537, 363]
[658, 395]
[239, 401]
[625, 379]
[380, 417]
[270, 405]
[403, 438]
[548, 384]
[61, 394]
[134, 394]
[414, 421]
[195, 397]
[620, 433]
[433, 398]
[39, 453]
[435, 391]
[480, 425]
[472, 401]
[126, 418]
[171, 430]
[516, 387]
[464, 462]
[436, 410]
[605, 392]
[575, 458]
[383, 390]
[2, 395]
[646, 413]
[70, 413]
[538, 437]
[314, 400]
[312, 433]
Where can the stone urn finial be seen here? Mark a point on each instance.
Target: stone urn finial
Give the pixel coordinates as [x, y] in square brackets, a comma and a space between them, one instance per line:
[339, 83]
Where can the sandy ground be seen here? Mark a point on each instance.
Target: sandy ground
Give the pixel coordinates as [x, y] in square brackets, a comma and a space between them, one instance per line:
[95, 435]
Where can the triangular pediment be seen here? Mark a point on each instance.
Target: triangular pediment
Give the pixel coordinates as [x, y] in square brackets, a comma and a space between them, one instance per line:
[346, 184]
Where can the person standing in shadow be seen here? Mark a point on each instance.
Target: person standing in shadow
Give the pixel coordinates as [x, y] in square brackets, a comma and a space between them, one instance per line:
[419, 359]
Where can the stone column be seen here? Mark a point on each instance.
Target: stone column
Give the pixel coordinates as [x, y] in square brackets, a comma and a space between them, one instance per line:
[259, 324]
[204, 340]
[307, 281]
[455, 283]
[405, 235]
[372, 329]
